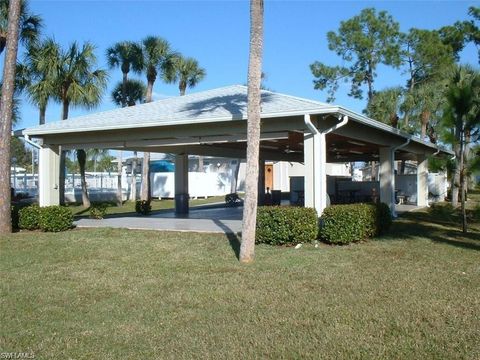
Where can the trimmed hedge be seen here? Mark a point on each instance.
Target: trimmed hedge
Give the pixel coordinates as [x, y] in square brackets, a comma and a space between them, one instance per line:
[286, 225]
[143, 207]
[343, 224]
[98, 210]
[29, 218]
[55, 218]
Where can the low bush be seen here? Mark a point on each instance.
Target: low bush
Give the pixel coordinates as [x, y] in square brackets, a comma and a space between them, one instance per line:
[29, 217]
[55, 218]
[143, 207]
[286, 225]
[442, 211]
[343, 224]
[98, 210]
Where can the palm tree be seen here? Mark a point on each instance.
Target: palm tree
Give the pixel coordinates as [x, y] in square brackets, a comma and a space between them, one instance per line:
[37, 74]
[247, 247]
[462, 114]
[29, 25]
[186, 72]
[131, 93]
[385, 106]
[6, 105]
[77, 82]
[126, 55]
[158, 57]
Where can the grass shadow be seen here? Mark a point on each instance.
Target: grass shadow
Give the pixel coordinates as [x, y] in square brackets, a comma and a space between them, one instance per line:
[232, 236]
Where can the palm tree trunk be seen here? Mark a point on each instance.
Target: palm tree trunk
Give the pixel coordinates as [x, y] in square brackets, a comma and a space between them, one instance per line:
[247, 247]
[119, 179]
[42, 113]
[182, 86]
[133, 187]
[145, 193]
[6, 106]
[124, 89]
[425, 118]
[82, 157]
[61, 181]
[146, 177]
[462, 185]
[458, 154]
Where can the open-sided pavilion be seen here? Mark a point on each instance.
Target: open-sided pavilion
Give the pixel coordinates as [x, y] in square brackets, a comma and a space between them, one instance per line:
[213, 123]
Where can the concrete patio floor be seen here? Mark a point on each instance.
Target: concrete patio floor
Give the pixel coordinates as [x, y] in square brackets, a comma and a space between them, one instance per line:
[212, 220]
[201, 219]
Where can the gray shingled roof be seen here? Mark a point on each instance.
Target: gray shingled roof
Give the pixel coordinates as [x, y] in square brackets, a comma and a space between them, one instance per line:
[221, 104]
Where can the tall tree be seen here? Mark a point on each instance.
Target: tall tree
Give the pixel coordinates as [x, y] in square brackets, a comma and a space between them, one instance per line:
[38, 76]
[187, 72]
[462, 115]
[77, 83]
[131, 93]
[385, 106]
[364, 41]
[6, 109]
[425, 59]
[126, 55]
[29, 25]
[158, 59]
[461, 33]
[247, 247]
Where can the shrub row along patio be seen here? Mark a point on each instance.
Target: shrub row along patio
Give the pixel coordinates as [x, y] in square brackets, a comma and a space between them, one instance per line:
[109, 294]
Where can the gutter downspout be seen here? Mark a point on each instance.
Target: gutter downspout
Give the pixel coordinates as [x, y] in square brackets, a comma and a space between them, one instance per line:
[394, 211]
[30, 142]
[319, 161]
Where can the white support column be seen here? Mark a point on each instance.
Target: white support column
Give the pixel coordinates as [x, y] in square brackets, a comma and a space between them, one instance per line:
[309, 178]
[422, 180]
[48, 176]
[387, 177]
[315, 189]
[181, 184]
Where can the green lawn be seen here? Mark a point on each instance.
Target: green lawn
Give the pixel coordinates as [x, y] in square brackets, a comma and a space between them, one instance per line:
[118, 294]
[157, 205]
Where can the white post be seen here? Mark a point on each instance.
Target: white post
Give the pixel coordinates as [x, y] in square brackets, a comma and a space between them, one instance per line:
[309, 179]
[48, 176]
[181, 184]
[315, 158]
[387, 177]
[422, 180]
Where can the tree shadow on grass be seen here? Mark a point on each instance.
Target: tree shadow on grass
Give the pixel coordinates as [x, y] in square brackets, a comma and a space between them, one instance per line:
[423, 225]
[233, 238]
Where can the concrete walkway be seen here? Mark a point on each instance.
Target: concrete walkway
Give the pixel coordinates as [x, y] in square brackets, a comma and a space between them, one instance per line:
[203, 219]
[218, 220]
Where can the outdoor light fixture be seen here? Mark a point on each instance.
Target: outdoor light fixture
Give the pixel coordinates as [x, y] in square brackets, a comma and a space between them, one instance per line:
[355, 152]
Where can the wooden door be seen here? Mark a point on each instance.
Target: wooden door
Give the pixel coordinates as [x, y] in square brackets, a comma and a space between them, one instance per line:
[269, 177]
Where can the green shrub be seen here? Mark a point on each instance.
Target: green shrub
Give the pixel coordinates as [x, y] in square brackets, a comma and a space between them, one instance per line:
[343, 224]
[55, 218]
[143, 207]
[286, 225]
[442, 211]
[98, 210]
[384, 218]
[29, 217]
